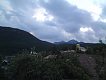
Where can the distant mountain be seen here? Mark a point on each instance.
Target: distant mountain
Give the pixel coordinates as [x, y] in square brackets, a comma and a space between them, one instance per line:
[61, 42]
[72, 42]
[69, 42]
[13, 40]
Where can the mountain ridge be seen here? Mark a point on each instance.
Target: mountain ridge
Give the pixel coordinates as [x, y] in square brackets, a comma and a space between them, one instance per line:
[69, 42]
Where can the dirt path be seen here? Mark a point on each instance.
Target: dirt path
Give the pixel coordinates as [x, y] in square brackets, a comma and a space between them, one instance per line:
[89, 64]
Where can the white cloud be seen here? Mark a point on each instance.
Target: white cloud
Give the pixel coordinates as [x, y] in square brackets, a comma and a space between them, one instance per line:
[86, 29]
[88, 5]
[42, 15]
[103, 20]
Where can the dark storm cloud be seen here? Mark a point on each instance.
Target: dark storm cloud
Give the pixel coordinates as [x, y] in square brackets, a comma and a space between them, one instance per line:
[68, 20]
[67, 14]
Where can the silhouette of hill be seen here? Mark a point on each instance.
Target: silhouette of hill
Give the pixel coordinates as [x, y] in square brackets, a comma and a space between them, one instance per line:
[13, 40]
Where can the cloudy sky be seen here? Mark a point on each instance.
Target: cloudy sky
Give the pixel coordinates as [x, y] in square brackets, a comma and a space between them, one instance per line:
[56, 20]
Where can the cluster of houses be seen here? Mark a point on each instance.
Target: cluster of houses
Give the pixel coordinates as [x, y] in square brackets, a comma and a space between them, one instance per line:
[77, 49]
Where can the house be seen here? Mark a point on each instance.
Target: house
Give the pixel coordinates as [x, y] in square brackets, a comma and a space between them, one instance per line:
[83, 49]
[50, 57]
[79, 48]
[73, 51]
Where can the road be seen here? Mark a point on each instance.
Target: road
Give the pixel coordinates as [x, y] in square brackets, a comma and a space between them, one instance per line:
[89, 64]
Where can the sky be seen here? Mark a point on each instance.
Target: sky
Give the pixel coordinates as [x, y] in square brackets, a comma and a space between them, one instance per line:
[56, 20]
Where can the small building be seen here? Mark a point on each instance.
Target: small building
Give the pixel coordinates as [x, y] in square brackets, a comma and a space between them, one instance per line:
[72, 51]
[79, 48]
[33, 53]
[83, 49]
[50, 57]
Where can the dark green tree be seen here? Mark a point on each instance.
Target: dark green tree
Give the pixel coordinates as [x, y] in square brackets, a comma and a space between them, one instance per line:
[35, 67]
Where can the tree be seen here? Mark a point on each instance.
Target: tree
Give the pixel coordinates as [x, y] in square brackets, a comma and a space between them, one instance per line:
[30, 67]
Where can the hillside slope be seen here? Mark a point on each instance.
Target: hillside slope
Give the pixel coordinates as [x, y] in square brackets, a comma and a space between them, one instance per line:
[13, 40]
